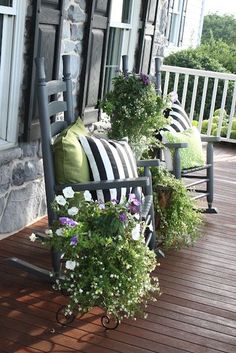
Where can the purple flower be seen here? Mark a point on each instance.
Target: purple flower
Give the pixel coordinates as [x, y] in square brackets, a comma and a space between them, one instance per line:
[122, 217]
[65, 221]
[114, 201]
[134, 208]
[133, 199]
[145, 79]
[74, 240]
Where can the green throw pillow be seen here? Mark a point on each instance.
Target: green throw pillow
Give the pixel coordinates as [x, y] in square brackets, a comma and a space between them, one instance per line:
[71, 164]
[192, 156]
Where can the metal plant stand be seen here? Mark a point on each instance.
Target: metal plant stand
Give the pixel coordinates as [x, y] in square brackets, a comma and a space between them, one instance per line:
[108, 322]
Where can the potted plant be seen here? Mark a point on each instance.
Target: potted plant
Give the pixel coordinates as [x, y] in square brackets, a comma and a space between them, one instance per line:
[178, 219]
[134, 109]
[107, 263]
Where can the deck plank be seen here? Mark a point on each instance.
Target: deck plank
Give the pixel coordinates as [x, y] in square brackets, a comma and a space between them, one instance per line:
[195, 313]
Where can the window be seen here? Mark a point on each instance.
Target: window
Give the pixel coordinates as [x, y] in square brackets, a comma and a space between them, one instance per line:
[176, 20]
[12, 16]
[124, 21]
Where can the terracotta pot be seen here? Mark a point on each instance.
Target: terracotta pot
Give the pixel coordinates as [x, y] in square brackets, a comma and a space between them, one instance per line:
[164, 199]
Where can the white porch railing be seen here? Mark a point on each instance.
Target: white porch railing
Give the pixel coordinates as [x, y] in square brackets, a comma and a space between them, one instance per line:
[201, 93]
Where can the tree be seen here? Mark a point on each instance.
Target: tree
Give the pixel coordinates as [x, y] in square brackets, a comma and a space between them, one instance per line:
[219, 28]
[202, 60]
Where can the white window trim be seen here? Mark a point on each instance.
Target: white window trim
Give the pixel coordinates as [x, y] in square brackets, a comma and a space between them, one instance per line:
[9, 10]
[16, 74]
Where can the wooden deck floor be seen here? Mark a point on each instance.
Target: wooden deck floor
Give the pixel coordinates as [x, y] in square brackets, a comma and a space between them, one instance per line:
[196, 312]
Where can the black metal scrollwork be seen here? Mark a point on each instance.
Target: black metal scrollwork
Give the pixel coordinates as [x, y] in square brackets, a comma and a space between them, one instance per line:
[110, 322]
[63, 318]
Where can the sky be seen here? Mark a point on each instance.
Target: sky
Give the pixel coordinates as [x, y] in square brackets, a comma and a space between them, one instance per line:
[221, 6]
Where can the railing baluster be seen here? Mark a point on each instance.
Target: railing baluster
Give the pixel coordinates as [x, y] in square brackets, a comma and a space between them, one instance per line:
[175, 89]
[166, 85]
[195, 85]
[186, 77]
[222, 107]
[203, 103]
[213, 102]
[201, 97]
[232, 112]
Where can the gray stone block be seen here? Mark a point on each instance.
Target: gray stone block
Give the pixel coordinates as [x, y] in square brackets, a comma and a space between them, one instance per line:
[68, 46]
[78, 48]
[18, 174]
[75, 65]
[5, 178]
[10, 155]
[66, 30]
[30, 170]
[23, 206]
[33, 170]
[82, 4]
[29, 149]
[77, 31]
[75, 14]
[2, 204]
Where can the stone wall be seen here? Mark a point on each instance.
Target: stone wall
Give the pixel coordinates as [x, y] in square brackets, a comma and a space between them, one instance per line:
[22, 195]
[72, 39]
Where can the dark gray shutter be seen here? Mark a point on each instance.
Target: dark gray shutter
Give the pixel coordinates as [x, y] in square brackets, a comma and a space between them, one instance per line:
[146, 35]
[182, 24]
[92, 75]
[47, 41]
[169, 18]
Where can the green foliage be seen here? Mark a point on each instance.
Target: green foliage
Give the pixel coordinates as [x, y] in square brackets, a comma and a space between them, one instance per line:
[214, 126]
[107, 263]
[179, 219]
[222, 52]
[219, 28]
[203, 58]
[134, 108]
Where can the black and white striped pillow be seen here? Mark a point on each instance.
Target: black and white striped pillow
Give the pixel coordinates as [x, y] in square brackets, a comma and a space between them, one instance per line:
[179, 118]
[109, 160]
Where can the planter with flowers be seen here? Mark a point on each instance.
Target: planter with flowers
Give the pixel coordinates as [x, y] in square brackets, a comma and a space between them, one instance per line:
[106, 261]
[134, 109]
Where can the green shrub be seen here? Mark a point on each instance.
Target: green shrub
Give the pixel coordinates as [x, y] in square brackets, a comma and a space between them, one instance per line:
[233, 134]
[200, 58]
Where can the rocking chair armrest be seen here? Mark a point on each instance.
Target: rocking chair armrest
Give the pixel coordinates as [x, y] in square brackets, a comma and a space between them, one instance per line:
[148, 163]
[176, 145]
[210, 138]
[105, 184]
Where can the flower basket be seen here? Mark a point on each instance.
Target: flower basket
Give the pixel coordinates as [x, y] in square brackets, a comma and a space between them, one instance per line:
[106, 261]
[134, 109]
[177, 218]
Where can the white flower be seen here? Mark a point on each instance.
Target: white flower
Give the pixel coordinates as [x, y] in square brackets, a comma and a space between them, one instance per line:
[73, 211]
[137, 216]
[48, 232]
[87, 196]
[173, 96]
[70, 265]
[68, 192]
[33, 237]
[60, 200]
[60, 232]
[136, 232]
